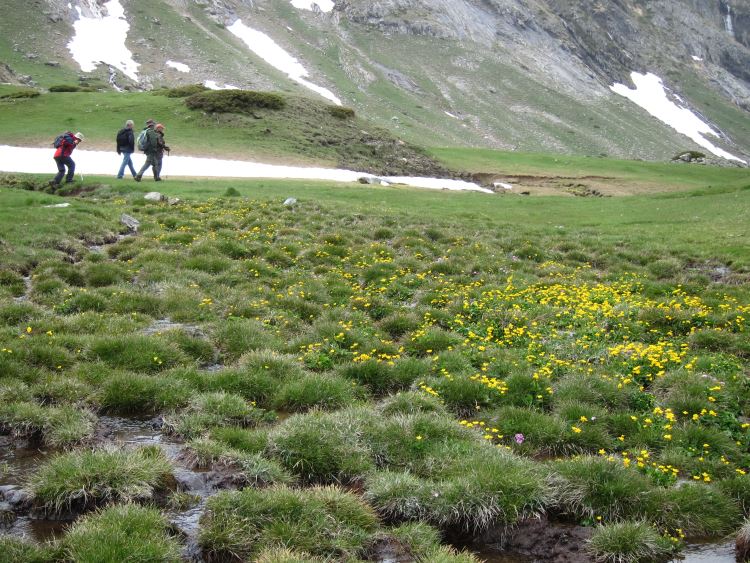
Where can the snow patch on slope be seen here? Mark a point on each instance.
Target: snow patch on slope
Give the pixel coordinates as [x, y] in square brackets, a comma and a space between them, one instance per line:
[101, 39]
[270, 51]
[213, 85]
[38, 161]
[182, 67]
[651, 95]
[323, 5]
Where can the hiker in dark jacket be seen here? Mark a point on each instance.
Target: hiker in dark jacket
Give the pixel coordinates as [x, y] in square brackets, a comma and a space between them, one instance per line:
[125, 142]
[150, 148]
[161, 146]
[62, 157]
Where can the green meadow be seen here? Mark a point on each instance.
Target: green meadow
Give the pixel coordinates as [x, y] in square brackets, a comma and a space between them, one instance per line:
[378, 365]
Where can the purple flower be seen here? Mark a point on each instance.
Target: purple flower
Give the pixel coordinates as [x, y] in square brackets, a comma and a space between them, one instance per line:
[519, 438]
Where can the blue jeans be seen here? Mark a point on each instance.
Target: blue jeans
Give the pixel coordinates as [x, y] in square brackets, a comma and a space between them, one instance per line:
[126, 161]
[62, 162]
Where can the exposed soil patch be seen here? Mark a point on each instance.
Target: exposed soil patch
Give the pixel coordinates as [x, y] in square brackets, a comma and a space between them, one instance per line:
[539, 539]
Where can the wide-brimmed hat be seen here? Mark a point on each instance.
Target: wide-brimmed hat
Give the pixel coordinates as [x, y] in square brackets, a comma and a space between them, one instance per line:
[79, 136]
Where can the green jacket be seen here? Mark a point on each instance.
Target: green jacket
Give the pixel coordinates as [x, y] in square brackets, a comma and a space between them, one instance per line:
[152, 141]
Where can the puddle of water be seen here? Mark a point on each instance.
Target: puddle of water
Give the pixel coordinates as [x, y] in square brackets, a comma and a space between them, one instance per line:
[38, 530]
[17, 463]
[717, 552]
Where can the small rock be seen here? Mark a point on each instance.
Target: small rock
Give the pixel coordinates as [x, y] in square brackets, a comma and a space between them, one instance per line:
[502, 185]
[153, 196]
[15, 497]
[66, 204]
[373, 180]
[289, 202]
[52, 64]
[173, 200]
[130, 222]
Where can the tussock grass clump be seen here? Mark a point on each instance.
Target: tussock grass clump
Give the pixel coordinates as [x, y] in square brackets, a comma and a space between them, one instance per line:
[133, 393]
[234, 337]
[19, 550]
[285, 555]
[411, 402]
[322, 521]
[322, 447]
[468, 491]
[629, 542]
[696, 509]
[121, 533]
[136, 353]
[379, 377]
[593, 486]
[81, 480]
[210, 410]
[316, 391]
[234, 101]
[247, 440]
[57, 426]
[246, 468]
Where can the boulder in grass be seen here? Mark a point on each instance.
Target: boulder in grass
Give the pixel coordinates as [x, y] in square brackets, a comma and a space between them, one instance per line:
[130, 222]
[153, 196]
[290, 202]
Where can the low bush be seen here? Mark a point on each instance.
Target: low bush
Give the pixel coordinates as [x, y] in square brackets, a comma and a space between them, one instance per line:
[86, 479]
[234, 101]
[322, 521]
[341, 112]
[20, 93]
[122, 533]
[181, 91]
[71, 88]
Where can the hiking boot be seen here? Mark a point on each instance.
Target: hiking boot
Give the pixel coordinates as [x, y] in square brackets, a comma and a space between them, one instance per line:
[137, 178]
[157, 179]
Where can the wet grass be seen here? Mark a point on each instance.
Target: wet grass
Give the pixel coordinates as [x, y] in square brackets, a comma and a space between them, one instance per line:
[428, 351]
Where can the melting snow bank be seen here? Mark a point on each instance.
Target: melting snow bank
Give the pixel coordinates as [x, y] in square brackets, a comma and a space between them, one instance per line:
[650, 94]
[182, 67]
[323, 5]
[101, 39]
[267, 49]
[39, 161]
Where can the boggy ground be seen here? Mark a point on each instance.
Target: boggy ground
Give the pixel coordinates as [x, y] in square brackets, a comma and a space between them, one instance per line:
[244, 380]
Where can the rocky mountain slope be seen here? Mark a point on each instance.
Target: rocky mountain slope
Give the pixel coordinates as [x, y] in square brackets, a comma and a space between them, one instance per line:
[513, 74]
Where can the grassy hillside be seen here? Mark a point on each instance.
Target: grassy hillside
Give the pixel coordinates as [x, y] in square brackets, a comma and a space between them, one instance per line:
[462, 360]
[305, 131]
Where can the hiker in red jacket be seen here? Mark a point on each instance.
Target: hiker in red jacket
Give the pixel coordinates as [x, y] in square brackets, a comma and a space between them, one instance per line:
[66, 144]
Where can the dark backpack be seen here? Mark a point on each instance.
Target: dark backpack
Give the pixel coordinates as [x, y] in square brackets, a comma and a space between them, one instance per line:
[58, 142]
[122, 138]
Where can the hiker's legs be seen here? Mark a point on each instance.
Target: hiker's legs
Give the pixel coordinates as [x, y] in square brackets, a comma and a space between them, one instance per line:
[60, 170]
[126, 161]
[71, 168]
[130, 164]
[157, 166]
[149, 162]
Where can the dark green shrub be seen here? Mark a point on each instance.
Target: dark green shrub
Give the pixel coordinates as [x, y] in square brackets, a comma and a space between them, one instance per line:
[20, 94]
[181, 91]
[341, 112]
[234, 101]
[65, 88]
